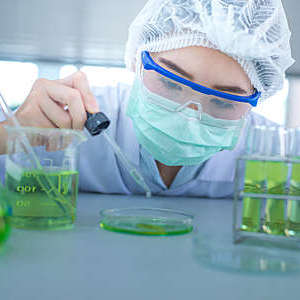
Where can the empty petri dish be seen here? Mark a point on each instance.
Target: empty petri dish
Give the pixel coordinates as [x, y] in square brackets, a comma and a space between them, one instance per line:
[146, 221]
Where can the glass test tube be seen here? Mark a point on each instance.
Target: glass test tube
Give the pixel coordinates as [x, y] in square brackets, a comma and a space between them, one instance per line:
[254, 183]
[254, 180]
[293, 209]
[277, 172]
[276, 176]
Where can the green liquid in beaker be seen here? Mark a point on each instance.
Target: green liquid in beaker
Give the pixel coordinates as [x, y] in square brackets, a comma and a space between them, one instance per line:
[254, 183]
[34, 207]
[277, 172]
[145, 225]
[293, 210]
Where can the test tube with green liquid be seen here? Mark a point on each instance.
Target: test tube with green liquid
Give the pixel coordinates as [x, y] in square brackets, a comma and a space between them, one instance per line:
[293, 209]
[277, 172]
[254, 183]
[276, 175]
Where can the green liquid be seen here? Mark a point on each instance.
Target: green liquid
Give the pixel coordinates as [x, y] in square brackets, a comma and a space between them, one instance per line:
[145, 225]
[293, 210]
[34, 207]
[4, 225]
[275, 208]
[254, 183]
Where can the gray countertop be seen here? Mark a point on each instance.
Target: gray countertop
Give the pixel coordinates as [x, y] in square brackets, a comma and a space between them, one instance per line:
[88, 262]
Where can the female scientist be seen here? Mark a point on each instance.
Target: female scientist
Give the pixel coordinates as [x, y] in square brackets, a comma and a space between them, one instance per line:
[200, 66]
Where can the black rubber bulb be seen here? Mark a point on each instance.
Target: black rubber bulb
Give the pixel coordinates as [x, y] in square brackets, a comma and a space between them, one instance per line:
[96, 123]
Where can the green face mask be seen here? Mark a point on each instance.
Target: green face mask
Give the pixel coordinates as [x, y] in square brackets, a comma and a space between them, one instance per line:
[178, 138]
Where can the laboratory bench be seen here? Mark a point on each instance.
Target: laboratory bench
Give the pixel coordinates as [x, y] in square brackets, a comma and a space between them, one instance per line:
[88, 262]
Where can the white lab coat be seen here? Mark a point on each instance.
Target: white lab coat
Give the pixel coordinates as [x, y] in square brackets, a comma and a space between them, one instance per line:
[100, 170]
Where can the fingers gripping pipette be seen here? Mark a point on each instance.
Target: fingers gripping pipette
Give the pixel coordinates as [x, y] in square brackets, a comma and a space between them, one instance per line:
[98, 122]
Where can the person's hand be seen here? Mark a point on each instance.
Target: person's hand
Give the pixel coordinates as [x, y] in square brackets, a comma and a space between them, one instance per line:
[58, 103]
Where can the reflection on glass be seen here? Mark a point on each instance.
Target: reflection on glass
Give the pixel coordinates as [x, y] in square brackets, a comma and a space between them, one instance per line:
[251, 256]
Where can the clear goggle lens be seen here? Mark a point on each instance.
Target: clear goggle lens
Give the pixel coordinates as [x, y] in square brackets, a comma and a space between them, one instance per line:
[185, 96]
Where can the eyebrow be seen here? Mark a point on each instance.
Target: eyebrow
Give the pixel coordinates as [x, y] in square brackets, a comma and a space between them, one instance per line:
[230, 89]
[175, 68]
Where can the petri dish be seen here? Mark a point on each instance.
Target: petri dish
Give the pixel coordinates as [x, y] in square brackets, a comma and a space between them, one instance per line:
[146, 221]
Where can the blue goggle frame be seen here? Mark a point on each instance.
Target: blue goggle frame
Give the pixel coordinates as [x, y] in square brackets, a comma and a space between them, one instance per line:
[150, 64]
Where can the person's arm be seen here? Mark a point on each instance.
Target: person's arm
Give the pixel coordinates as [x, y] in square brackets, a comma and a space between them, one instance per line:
[47, 101]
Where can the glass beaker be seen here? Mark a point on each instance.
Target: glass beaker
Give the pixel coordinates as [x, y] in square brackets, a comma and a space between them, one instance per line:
[293, 209]
[42, 195]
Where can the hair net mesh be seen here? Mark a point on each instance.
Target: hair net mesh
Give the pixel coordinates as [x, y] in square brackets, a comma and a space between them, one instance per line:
[254, 32]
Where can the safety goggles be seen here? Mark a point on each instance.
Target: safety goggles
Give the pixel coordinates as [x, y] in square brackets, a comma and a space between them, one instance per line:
[185, 93]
